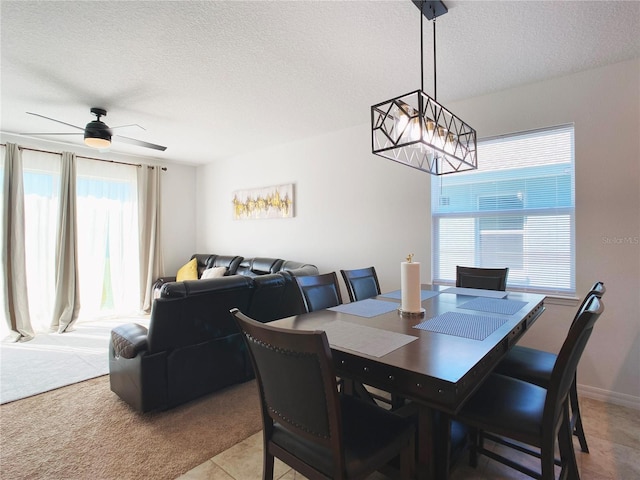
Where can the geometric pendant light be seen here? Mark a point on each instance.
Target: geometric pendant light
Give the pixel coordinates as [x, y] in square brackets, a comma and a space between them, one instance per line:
[414, 129]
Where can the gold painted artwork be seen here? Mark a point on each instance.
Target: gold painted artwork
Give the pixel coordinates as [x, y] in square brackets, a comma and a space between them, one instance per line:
[268, 202]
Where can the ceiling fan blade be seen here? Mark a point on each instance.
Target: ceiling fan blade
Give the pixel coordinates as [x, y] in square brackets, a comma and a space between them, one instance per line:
[54, 120]
[130, 125]
[139, 143]
[51, 133]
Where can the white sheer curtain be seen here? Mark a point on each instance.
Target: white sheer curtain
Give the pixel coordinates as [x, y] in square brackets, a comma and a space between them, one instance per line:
[41, 175]
[107, 239]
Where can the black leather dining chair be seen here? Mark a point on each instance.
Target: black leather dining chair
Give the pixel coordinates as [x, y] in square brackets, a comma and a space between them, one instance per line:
[361, 283]
[484, 278]
[307, 423]
[535, 366]
[319, 291]
[506, 409]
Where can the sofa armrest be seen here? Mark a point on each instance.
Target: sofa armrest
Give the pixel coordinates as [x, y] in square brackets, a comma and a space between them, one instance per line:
[162, 280]
[128, 340]
[157, 285]
[298, 269]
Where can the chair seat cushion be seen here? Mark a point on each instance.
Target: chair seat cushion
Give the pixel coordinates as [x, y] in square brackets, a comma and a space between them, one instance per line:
[369, 433]
[528, 364]
[507, 406]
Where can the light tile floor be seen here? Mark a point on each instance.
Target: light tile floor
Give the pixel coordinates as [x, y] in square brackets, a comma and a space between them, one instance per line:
[613, 435]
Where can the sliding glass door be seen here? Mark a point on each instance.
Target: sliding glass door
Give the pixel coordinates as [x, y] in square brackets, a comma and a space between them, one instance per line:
[107, 214]
[107, 237]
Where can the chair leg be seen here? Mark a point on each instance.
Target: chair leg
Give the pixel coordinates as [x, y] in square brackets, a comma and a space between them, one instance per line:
[267, 468]
[408, 461]
[547, 462]
[443, 445]
[576, 418]
[474, 439]
[567, 453]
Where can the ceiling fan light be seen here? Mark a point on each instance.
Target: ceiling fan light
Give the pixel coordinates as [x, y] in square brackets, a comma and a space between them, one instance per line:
[97, 135]
[97, 142]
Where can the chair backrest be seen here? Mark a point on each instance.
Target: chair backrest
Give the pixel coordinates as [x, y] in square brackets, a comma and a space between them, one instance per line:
[361, 283]
[598, 290]
[320, 291]
[253, 267]
[564, 370]
[484, 278]
[203, 260]
[297, 383]
[193, 312]
[275, 296]
[231, 262]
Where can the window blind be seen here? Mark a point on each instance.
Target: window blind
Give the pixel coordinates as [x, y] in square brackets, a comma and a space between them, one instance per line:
[516, 210]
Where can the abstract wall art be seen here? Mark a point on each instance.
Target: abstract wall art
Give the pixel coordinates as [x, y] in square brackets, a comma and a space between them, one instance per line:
[267, 202]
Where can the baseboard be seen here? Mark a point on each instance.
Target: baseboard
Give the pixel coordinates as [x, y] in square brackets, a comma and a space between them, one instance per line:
[607, 396]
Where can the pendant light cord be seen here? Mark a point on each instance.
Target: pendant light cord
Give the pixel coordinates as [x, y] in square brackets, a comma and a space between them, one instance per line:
[421, 54]
[435, 84]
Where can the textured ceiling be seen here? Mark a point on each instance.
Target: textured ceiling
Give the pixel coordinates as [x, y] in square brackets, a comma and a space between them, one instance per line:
[212, 79]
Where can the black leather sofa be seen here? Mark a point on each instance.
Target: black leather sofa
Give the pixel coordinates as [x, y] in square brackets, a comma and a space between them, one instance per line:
[237, 265]
[205, 261]
[193, 346]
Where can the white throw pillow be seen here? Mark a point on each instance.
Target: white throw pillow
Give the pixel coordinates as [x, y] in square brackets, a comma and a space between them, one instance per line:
[214, 272]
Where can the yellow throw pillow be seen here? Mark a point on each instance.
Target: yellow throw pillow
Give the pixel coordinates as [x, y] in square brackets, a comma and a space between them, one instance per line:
[189, 271]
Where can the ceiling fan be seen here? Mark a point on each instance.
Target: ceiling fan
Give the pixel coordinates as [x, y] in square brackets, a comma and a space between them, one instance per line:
[98, 134]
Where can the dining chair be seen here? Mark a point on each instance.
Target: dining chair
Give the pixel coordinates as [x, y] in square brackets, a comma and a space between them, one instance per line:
[307, 423]
[535, 366]
[361, 283]
[506, 409]
[484, 278]
[319, 291]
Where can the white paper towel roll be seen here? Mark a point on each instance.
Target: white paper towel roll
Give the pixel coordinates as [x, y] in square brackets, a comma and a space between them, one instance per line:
[410, 286]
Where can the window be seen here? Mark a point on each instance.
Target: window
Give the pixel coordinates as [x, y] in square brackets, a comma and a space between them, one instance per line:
[107, 223]
[516, 210]
[107, 236]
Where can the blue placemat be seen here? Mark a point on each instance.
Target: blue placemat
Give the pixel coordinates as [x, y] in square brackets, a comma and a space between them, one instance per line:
[360, 338]
[494, 305]
[366, 308]
[424, 294]
[475, 327]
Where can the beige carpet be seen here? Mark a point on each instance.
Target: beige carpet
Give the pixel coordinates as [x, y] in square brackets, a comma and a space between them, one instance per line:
[84, 431]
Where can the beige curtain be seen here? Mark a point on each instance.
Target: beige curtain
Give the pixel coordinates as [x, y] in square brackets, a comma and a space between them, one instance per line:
[13, 248]
[67, 295]
[151, 262]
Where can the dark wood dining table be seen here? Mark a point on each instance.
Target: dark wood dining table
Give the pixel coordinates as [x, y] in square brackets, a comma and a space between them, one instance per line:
[460, 340]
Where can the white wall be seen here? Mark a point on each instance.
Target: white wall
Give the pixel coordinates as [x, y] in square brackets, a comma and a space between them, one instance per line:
[354, 209]
[604, 105]
[179, 224]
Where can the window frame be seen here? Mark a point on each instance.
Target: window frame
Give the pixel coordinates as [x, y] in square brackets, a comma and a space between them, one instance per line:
[557, 211]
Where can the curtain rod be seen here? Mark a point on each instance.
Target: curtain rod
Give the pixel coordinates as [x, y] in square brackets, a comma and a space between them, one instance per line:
[87, 158]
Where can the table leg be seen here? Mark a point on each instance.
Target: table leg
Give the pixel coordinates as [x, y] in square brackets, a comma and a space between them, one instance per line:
[426, 434]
